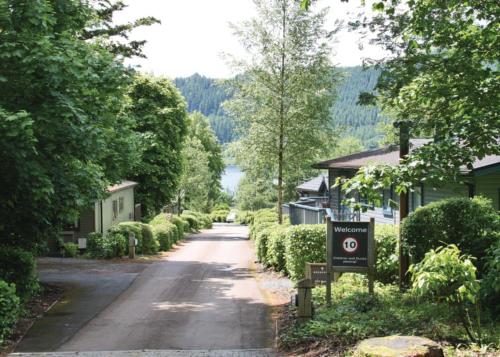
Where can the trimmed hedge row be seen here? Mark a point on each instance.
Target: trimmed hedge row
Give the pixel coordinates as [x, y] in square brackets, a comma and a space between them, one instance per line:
[245, 217]
[197, 220]
[287, 248]
[219, 215]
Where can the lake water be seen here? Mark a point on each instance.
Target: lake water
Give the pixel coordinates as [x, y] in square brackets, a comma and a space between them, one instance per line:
[230, 178]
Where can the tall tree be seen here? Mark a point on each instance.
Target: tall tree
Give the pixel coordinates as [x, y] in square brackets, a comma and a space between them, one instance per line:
[442, 81]
[199, 127]
[282, 100]
[62, 102]
[161, 119]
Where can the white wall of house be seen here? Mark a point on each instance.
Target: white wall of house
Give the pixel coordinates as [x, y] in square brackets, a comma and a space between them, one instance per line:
[118, 207]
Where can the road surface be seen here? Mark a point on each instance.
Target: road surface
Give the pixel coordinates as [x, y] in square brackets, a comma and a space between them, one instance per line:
[203, 296]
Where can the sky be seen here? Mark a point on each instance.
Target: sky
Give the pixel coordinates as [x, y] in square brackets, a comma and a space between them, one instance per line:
[193, 34]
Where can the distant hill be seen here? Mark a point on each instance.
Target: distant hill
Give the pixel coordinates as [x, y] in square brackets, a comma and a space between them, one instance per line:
[205, 95]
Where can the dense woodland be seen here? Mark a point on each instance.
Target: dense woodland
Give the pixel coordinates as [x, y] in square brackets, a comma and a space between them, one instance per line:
[206, 95]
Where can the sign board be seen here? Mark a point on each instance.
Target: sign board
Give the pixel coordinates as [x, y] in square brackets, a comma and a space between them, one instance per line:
[350, 244]
[350, 247]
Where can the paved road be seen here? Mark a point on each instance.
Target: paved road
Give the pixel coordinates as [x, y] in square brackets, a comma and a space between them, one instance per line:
[204, 296]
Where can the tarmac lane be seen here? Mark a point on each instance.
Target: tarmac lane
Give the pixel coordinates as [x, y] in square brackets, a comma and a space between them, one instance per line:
[204, 296]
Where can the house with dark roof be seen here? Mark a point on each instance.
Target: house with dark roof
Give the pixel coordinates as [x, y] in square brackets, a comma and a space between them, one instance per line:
[315, 187]
[483, 179]
[118, 206]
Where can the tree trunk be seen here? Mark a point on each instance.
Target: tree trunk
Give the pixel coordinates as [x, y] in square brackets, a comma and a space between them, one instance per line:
[281, 117]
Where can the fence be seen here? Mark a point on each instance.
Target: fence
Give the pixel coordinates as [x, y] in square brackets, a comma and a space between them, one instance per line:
[302, 214]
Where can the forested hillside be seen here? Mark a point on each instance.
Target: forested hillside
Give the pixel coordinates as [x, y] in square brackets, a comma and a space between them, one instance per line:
[205, 95]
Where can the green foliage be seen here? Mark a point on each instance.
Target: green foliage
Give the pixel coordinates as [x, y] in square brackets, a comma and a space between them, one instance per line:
[112, 246]
[197, 220]
[355, 315]
[181, 226]
[262, 242]
[305, 243]
[255, 193]
[68, 132]
[471, 224]
[9, 309]
[387, 265]
[160, 114]
[441, 81]
[245, 217]
[282, 102]
[219, 215]
[446, 275]
[18, 266]
[147, 244]
[261, 219]
[276, 247]
[70, 250]
[490, 284]
[166, 235]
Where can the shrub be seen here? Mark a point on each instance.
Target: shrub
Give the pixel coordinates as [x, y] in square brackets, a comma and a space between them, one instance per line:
[192, 221]
[221, 207]
[9, 309]
[261, 243]
[304, 243]
[386, 238]
[202, 220]
[70, 250]
[472, 224]
[125, 228]
[219, 215]
[276, 246]
[150, 244]
[112, 246]
[159, 219]
[166, 235]
[245, 217]
[261, 220]
[180, 224]
[19, 267]
[446, 275]
[490, 285]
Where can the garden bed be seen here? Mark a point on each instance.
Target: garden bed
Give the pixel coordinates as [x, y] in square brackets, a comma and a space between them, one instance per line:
[357, 315]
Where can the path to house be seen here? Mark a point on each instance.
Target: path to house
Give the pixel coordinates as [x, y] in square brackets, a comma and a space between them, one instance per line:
[204, 296]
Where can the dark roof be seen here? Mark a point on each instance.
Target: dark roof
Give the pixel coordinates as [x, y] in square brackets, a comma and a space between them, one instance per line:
[121, 186]
[389, 156]
[313, 185]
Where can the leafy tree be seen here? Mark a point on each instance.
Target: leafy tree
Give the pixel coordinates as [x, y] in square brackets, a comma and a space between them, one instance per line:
[195, 183]
[161, 119]
[199, 127]
[62, 103]
[442, 80]
[282, 101]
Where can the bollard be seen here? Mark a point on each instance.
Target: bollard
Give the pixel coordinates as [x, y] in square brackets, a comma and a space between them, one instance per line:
[131, 245]
[305, 307]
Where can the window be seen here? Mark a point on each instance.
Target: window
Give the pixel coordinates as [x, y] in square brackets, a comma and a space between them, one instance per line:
[115, 209]
[121, 204]
[387, 202]
[417, 198]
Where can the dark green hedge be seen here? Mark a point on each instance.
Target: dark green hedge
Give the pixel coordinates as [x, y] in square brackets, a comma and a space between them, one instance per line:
[9, 309]
[472, 224]
[19, 267]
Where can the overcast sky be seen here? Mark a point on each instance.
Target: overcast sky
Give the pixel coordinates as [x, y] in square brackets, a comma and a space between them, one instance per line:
[194, 33]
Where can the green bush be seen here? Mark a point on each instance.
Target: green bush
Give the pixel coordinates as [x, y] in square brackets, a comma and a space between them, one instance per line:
[245, 217]
[219, 215]
[19, 267]
[70, 250]
[221, 207]
[490, 285]
[472, 224]
[386, 238]
[261, 220]
[181, 226]
[276, 247]
[202, 220]
[305, 243]
[166, 235]
[9, 309]
[192, 221]
[261, 243]
[113, 245]
[150, 244]
[159, 219]
[125, 228]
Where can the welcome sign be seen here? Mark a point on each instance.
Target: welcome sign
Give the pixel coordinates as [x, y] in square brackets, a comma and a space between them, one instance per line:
[350, 244]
